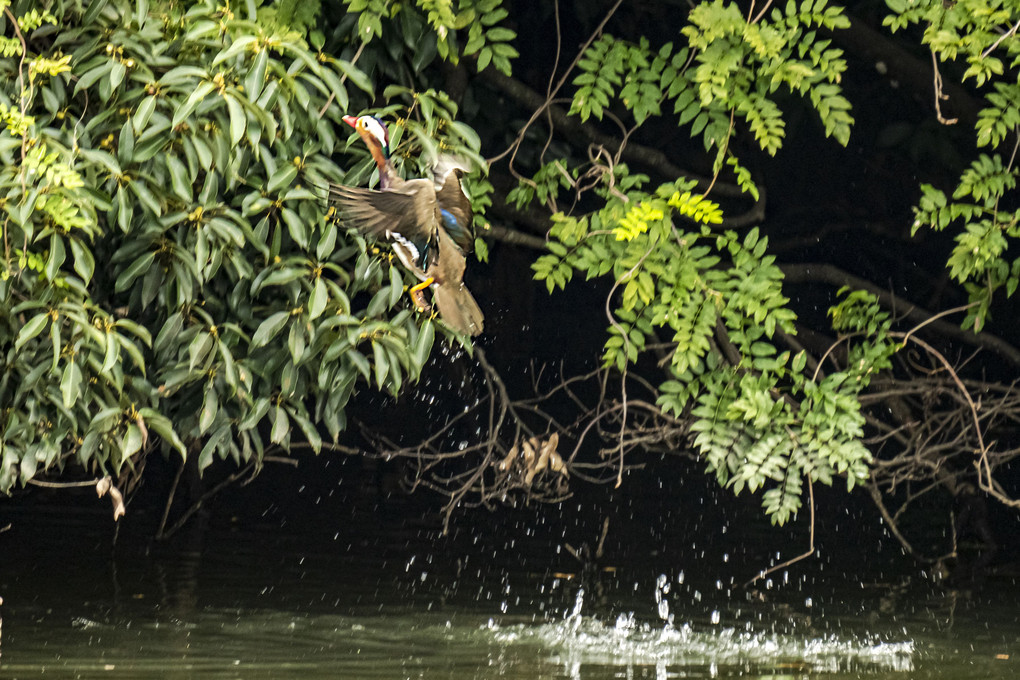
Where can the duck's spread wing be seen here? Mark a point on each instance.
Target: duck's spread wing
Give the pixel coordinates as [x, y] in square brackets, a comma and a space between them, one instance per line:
[409, 211]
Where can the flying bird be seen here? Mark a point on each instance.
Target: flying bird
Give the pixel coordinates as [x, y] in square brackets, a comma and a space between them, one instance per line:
[428, 223]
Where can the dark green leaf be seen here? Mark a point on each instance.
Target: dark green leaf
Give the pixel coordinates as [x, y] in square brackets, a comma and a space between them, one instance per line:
[136, 269]
[268, 329]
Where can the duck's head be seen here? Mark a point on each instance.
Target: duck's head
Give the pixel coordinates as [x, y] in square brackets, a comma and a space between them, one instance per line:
[373, 131]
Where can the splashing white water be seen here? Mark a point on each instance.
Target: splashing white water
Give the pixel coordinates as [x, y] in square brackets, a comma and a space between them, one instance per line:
[574, 642]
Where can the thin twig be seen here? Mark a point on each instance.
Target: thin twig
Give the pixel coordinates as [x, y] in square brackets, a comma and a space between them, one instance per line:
[197, 505]
[343, 79]
[552, 93]
[1002, 37]
[760, 14]
[63, 485]
[936, 317]
[939, 96]
[811, 541]
[170, 499]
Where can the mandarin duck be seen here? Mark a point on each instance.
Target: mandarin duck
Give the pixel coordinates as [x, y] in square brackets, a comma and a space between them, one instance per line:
[428, 223]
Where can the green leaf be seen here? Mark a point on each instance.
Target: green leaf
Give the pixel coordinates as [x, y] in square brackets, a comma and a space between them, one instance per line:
[196, 97]
[423, 346]
[381, 363]
[84, 262]
[198, 349]
[799, 361]
[117, 73]
[168, 333]
[160, 424]
[255, 415]
[238, 119]
[236, 48]
[318, 299]
[396, 286]
[56, 258]
[31, 329]
[136, 269]
[139, 331]
[132, 441]
[256, 78]
[326, 243]
[311, 434]
[112, 352]
[29, 464]
[283, 177]
[296, 345]
[88, 79]
[143, 113]
[281, 426]
[55, 341]
[360, 79]
[296, 227]
[268, 329]
[70, 381]
[210, 406]
[179, 179]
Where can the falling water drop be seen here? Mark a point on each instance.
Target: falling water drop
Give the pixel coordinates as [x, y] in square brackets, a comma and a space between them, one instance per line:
[661, 588]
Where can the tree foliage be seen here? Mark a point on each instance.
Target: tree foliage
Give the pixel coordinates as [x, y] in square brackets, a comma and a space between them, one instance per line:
[711, 300]
[982, 37]
[762, 419]
[170, 278]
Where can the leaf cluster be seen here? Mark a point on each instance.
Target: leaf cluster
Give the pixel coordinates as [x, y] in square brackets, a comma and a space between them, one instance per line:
[710, 297]
[981, 35]
[732, 66]
[714, 297]
[447, 28]
[170, 277]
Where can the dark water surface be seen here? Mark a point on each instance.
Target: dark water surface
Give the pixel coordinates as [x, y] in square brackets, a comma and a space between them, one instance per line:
[345, 585]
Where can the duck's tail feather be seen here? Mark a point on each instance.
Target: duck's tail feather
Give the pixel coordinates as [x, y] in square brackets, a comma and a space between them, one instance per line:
[459, 310]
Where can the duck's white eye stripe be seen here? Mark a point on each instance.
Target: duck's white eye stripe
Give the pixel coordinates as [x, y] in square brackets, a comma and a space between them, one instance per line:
[377, 130]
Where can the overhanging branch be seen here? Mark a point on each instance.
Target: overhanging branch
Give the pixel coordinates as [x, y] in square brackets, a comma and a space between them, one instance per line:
[832, 275]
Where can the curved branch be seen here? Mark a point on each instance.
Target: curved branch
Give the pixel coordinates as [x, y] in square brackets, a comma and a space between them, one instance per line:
[827, 273]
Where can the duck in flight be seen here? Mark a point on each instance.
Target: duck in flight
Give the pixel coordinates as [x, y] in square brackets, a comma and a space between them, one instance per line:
[428, 223]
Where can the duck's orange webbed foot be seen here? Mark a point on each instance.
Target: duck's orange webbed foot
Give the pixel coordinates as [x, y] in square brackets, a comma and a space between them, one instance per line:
[418, 295]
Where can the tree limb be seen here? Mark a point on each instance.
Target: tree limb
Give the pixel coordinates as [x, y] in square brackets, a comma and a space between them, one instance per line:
[827, 273]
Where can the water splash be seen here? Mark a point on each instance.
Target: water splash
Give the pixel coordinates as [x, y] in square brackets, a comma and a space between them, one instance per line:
[628, 643]
[661, 603]
[573, 619]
